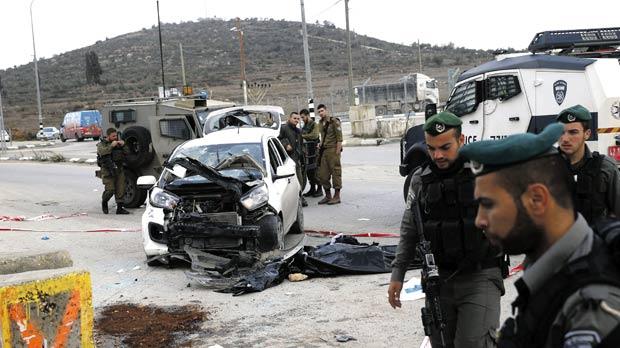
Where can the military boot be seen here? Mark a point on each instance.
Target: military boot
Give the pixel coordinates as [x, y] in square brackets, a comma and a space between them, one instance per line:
[328, 197]
[105, 197]
[336, 199]
[104, 207]
[318, 192]
[310, 192]
[120, 210]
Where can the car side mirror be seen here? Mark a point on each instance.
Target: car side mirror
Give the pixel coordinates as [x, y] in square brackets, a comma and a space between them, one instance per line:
[430, 110]
[146, 182]
[283, 172]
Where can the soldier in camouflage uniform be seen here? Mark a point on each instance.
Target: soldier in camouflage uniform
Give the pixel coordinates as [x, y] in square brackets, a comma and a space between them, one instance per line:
[329, 152]
[111, 153]
[569, 294]
[310, 133]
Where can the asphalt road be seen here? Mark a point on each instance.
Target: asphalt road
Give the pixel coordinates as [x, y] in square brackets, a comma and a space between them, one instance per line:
[307, 313]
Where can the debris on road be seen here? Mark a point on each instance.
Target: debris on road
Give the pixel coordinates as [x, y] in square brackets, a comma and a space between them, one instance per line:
[345, 338]
[134, 324]
[343, 255]
[297, 277]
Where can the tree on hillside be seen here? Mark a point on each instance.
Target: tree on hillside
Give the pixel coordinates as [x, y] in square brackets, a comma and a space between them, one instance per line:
[93, 69]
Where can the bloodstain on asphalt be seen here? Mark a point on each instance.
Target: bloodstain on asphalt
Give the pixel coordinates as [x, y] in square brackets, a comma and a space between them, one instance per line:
[148, 326]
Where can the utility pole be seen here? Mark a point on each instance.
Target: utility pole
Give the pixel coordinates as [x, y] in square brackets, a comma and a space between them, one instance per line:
[2, 140]
[244, 83]
[183, 68]
[419, 56]
[161, 53]
[306, 52]
[346, 10]
[36, 70]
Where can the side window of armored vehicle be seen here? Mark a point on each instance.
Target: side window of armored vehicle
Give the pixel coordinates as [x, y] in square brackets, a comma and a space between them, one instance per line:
[502, 87]
[431, 84]
[192, 122]
[122, 116]
[463, 100]
[174, 128]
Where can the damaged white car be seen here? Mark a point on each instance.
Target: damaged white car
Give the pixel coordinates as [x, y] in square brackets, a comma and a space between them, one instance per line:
[231, 197]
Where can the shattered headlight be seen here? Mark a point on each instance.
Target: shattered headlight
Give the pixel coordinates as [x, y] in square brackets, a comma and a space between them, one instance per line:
[162, 199]
[255, 197]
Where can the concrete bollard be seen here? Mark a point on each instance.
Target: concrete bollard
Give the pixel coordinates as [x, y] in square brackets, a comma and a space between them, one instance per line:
[47, 308]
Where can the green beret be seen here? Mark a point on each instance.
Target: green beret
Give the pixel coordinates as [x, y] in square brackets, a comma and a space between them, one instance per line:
[575, 113]
[441, 122]
[490, 155]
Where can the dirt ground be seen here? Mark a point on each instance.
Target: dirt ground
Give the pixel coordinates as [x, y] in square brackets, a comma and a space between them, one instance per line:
[133, 325]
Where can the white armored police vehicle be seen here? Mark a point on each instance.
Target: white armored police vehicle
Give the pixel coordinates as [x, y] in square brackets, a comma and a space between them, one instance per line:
[524, 92]
[152, 128]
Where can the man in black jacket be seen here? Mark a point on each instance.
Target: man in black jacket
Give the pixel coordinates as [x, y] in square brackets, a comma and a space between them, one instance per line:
[290, 136]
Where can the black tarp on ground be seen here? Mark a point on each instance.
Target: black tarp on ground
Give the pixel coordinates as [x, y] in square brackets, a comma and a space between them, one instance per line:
[341, 256]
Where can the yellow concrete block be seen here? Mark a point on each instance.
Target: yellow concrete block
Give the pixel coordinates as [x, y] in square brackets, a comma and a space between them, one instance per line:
[47, 308]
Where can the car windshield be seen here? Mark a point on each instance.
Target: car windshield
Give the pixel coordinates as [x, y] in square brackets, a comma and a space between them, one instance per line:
[48, 129]
[228, 159]
[242, 118]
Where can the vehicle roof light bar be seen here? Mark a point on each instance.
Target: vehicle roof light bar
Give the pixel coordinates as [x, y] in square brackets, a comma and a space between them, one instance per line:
[567, 39]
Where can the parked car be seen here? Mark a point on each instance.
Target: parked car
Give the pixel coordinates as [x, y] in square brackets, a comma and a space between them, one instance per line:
[80, 125]
[4, 135]
[232, 194]
[48, 133]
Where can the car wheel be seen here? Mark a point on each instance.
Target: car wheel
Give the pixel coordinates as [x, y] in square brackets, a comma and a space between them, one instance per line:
[96, 138]
[62, 138]
[270, 236]
[134, 197]
[138, 140]
[298, 225]
[79, 139]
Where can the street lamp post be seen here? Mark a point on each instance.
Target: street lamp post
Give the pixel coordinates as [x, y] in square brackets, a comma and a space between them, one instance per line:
[36, 70]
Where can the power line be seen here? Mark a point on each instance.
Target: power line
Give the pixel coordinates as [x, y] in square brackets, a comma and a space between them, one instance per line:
[326, 9]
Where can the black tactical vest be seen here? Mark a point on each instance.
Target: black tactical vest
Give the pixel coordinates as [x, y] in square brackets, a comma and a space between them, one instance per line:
[590, 190]
[449, 212]
[118, 156]
[532, 326]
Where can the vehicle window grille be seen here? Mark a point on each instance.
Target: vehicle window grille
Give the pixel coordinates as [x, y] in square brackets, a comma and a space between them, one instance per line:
[502, 87]
[463, 100]
[175, 128]
[122, 116]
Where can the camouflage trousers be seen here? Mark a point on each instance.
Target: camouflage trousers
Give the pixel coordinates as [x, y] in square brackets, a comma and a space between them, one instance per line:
[114, 186]
[330, 169]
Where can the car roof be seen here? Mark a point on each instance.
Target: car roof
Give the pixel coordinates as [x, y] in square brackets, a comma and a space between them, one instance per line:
[233, 136]
[531, 61]
[263, 108]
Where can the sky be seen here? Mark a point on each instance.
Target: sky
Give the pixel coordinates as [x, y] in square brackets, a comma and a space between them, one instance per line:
[65, 25]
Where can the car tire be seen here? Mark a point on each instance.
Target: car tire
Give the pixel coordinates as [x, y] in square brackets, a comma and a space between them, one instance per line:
[79, 139]
[138, 140]
[298, 225]
[270, 235]
[134, 196]
[406, 185]
[96, 138]
[62, 138]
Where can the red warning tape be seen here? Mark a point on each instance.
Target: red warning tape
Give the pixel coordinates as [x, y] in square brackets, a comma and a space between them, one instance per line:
[365, 234]
[516, 269]
[13, 229]
[40, 217]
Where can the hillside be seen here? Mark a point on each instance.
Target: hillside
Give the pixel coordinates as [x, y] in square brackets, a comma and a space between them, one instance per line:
[131, 67]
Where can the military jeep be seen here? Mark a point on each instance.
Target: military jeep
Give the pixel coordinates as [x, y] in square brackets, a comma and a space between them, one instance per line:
[152, 128]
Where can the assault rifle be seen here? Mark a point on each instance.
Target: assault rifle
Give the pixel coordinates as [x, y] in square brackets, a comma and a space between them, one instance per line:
[432, 316]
